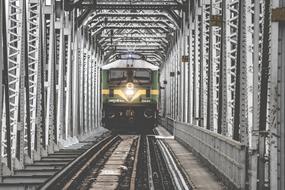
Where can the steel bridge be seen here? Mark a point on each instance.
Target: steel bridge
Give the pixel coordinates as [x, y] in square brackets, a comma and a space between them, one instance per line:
[222, 77]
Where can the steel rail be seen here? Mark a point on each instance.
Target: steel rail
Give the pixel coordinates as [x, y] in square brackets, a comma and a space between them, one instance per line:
[135, 165]
[82, 162]
[177, 176]
[149, 169]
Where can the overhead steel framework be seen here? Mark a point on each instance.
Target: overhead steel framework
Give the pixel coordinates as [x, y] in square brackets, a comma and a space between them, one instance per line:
[126, 20]
[221, 71]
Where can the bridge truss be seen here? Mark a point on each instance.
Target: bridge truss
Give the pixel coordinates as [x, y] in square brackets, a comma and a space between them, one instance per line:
[222, 68]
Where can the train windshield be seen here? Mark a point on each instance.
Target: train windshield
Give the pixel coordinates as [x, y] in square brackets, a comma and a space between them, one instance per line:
[142, 76]
[117, 74]
[130, 75]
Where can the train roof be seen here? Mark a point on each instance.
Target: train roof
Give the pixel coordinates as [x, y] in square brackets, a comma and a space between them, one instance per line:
[130, 63]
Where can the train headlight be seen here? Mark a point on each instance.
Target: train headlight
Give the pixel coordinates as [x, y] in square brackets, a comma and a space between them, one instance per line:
[130, 89]
[130, 85]
[129, 92]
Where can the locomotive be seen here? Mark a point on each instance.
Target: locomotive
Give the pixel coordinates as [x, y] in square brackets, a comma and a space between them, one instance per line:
[130, 91]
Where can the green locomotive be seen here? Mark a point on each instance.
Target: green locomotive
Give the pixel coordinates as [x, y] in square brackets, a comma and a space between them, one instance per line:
[130, 91]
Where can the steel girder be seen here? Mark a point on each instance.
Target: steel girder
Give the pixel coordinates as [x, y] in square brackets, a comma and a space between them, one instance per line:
[277, 167]
[213, 68]
[230, 49]
[101, 24]
[41, 94]
[104, 15]
[115, 5]
[134, 27]
[3, 81]
[149, 17]
[15, 84]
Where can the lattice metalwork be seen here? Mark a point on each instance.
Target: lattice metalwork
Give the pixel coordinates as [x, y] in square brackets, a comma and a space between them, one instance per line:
[14, 37]
[214, 67]
[34, 63]
[228, 66]
[205, 40]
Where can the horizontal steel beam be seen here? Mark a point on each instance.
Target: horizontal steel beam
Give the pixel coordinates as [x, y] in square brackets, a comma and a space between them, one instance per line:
[128, 21]
[128, 43]
[133, 5]
[131, 27]
[132, 36]
[141, 51]
[94, 17]
[133, 40]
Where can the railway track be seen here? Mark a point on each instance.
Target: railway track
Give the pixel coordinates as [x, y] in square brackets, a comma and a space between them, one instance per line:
[122, 162]
[107, 165]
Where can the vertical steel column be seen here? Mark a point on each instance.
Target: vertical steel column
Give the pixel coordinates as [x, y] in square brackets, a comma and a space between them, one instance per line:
[51, 107]
[171, 65]
[253, 131]
[99, 106]
[196, 64]
[33, 30]
[93, 85]
[176, 86]
[2, 46]
[76, 65]
[276, 163]
[227, 66]
[25, 131]
[167, 79]
[69, 80]
[19, 142]
[81, 80]
[186, 65]
[45, 48]
[263, 133]
[39, 141]
[184, 68]
[88, 103]
[190, 67]
[241, 86]
[61, 111]
[210, 95]
[171, 83]
[241, 94]
[180, 81]
[195, 50]
[281, 105]
[89, 62]
[181, 77]
[98, 90]
[15, 71]
[204, 61]
[5, 152]
[214, 63]
[85, 80]
[166, 90]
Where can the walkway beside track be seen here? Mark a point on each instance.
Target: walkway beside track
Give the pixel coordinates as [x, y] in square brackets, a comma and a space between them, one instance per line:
[199, 175]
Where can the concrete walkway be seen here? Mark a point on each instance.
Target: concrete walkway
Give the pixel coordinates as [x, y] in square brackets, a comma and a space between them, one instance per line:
[200, 176]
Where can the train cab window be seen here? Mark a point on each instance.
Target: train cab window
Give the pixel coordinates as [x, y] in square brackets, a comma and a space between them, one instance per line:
[142, 76]
[117, 75]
